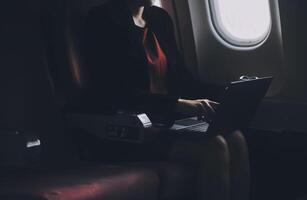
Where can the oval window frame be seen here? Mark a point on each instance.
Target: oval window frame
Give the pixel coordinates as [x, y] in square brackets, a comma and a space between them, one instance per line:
[228, 40]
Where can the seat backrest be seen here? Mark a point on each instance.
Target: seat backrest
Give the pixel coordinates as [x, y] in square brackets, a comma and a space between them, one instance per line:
[26, 102]
[76, 14]
[64, 36]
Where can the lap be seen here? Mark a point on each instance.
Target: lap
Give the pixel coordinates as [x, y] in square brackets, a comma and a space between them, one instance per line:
[208, 148]
[197, 150]
[166, 147]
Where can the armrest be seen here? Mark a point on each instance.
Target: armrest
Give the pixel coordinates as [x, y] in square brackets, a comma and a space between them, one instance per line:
[125, 127]
[19, 149]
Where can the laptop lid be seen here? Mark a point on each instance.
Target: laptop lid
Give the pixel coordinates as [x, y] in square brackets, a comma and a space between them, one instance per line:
[239, 104]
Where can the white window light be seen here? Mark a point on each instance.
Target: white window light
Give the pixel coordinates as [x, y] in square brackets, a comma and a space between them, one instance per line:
[157, 3]
[240, 24]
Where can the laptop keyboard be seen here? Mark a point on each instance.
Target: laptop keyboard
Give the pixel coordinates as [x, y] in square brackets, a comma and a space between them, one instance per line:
[202, 128]
[191, 125]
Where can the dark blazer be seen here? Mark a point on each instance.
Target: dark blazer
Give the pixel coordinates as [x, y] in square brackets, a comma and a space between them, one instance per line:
[117, 66]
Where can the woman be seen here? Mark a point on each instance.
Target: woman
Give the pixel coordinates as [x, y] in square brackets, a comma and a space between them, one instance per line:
[134, 64]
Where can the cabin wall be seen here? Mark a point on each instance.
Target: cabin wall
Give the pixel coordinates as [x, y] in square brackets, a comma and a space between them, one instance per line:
[217, 63]
[294, 26]
[282, 56]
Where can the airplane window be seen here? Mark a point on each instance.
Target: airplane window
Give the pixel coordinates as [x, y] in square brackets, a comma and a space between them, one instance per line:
[240, 23]
[157, 3]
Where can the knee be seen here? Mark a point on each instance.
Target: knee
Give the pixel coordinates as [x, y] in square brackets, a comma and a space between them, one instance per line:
[220, 145]
[236, 138]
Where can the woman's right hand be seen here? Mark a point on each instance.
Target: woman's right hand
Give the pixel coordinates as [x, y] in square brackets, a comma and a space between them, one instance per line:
[202, 108]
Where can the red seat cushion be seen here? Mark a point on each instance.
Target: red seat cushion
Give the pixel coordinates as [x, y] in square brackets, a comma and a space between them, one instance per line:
[177, 181]
[83, 184]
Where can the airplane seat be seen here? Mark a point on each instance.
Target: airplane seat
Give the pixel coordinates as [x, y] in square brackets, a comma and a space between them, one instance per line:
[69, 82]
[176, 181]
[27, 104]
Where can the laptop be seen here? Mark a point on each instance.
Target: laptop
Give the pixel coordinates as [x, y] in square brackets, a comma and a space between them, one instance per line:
[237, 109]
